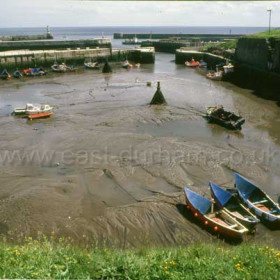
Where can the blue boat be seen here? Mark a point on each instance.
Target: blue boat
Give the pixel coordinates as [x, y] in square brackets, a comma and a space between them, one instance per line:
[218, 220]
[227, 201]
[257, 200]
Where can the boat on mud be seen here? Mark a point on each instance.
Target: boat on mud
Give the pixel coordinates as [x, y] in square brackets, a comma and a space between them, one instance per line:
[5, 75]
[231, 204]
[126, 64]
[39, 115]
[34, 72]
[214, 219]
[192, 63]
[62, 68]
[257, 200]
[215, 76]
[91, 65]
[217, 114]
[30, 109]
[17, 74]
[22, 111]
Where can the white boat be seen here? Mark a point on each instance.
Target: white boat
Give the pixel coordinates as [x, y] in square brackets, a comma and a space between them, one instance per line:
[229, 68]
[91, 65]
[126, 64]
[62, 68]
[133, 41]
[216, 76]
[37, 110]
[22, 111]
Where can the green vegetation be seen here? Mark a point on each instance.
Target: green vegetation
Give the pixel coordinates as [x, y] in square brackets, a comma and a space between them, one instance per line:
[274, 33]
[220, 48]
[45, 258]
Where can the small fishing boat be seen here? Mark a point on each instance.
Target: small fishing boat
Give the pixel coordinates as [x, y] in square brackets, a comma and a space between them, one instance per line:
[127, 65]
[228, 202]
[202, 64]
[257, 200]
[34, 72]
[17, 74]
[5, 75]
[218, 220]
[22, 111]
[45, 108]
[91, 65]
[192, 63]
[217, 114]
[62, 68]
[39, 115]
[215, 76]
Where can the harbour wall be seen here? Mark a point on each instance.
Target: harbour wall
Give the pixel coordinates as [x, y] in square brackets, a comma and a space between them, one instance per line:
[182, 55]
[51, 45]
[47, 36]
[204, 37]
[24, 59]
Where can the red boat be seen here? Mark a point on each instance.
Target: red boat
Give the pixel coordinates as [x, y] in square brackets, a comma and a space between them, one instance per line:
[39, 115]
[193, 63]
[218, 220]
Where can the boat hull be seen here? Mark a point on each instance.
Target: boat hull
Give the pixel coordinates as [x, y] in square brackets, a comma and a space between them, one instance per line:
[39, 115]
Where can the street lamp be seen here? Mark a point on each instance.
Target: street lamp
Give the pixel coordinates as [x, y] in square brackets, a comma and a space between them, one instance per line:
[269, 20]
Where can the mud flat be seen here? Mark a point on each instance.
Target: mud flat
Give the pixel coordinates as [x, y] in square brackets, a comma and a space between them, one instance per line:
[109, 167]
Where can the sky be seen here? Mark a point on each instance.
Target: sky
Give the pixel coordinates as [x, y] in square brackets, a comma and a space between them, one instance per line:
[37, 13]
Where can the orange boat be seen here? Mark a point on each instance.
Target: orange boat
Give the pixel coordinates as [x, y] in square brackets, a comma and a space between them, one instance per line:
[39, 115]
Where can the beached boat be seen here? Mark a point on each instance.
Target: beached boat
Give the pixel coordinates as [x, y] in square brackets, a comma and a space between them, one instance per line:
[215, 76]
[17, 74]
[192, 63]
[34, 72]
[22, 111]
[5, 75]
[62, 68]
[218, 220]
[45, 108]
[231, 204]
[91, 65]
[257, 200]
[217, 114]
[39, 115]
[126, 64]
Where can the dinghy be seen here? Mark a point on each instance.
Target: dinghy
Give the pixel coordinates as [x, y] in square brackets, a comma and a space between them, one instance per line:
[257, 200]
[127, 65]
[39, 115]
[193, 63]
[218, 220]
[17, 74]
[228, 202]
[5, 75]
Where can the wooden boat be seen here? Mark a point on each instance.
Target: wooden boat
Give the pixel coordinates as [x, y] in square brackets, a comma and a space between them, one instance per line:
[126, 65]
[91, 65]
[45, 108]
[17, 74]
[257, 200]
[5, 75]
[217, 114]
[39, 115]
[22, 111]
[228, 202]
[193, 63]
[215, 76]
[218, 220]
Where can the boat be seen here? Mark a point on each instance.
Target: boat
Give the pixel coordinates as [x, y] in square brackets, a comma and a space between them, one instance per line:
[45, 108]
[22, 111]
[34, 72]
[218, 220]
[91, 65]
[230, 203]
[62, 68]
[202, 64]
[257, 200]
[39, 115]
[193, 63]
[216, 76]
[127, 65]
[228, 68]
[5, 75]
[217, 114]
[17, 74]
[133, 41]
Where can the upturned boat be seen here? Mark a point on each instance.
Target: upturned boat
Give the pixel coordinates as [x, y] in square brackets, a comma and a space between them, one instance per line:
[192, 63]
[217, 114]
[230, 203]
[257, 200]
[5, 75]
[218, 220]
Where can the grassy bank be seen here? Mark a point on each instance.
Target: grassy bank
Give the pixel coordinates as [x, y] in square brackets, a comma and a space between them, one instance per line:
[274, 33]
[48, 259]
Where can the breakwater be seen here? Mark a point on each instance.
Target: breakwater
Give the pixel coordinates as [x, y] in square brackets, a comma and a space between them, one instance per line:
[51, 44]
[47, 36]
[24, 59]
[182, 55]
[203, 37]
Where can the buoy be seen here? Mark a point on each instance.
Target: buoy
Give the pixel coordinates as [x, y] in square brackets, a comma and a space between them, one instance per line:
[206, 223]
[158, 98]
[216, 228]
[188, 207]
[195, 214]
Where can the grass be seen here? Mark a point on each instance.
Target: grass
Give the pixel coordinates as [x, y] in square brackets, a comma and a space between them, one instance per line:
[274, 33]
[45, 258]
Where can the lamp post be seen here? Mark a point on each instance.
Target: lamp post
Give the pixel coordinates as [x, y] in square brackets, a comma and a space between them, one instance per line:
[269, 20]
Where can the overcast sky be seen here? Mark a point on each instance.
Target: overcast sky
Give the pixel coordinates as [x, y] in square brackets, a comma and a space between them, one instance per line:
[36, 13]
